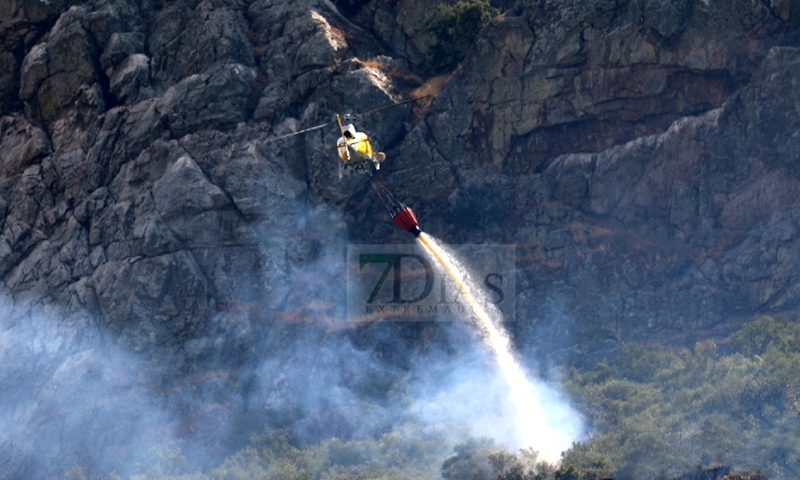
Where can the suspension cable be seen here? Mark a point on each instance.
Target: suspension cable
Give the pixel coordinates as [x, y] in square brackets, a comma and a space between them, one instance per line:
[385, 195]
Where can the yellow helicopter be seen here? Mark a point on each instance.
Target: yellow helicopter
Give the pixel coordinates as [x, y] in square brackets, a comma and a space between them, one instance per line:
[354, 148]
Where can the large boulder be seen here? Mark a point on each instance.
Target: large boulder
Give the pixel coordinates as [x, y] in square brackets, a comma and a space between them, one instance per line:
[22, 24]
[189, 37]
[220, 98]
[55, 72]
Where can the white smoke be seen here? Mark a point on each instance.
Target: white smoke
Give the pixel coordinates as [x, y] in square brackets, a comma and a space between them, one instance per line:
[71, 398]
[467, 391]
[511, 406]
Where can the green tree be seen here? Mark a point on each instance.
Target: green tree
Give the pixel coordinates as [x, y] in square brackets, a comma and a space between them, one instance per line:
[471, 461]
[455, 28]
[658, 412]
[756, 337]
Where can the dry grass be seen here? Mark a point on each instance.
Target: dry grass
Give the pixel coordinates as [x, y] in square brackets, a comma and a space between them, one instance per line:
[424, 89]
[393, 72]
[336, 36]
[427, 91]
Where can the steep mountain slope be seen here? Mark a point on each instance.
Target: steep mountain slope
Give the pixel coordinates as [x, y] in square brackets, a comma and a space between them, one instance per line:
[640, 154]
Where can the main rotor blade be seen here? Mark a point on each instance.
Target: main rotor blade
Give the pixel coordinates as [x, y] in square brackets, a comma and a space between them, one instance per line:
[305, 130]
[347, 117]
[386, 107]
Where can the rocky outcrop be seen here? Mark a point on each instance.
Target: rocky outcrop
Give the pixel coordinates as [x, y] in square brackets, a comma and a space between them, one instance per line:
[648, 238]
[22, 25]
[575, 76]
[679, 161]
[641, 154]
[688, 203]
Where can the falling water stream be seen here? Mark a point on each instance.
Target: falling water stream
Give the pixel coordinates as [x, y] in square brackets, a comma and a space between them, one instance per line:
[531, 420]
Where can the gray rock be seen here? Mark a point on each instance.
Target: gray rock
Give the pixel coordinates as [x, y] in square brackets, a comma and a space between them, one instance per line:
[258, 183]
[35, 69]
[190, 37]
[22, 24]
[667, 19]
[184, 190]
[23, 145]
[589, 62]
[54, 74]
[120, 47]
[219, 99]
[130, 78]
[154, 301]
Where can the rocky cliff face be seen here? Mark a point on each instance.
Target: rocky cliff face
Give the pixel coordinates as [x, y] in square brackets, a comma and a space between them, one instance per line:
[640, 154]
[633, 152]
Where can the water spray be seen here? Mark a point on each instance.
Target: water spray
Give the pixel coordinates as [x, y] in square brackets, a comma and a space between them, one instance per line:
[531, 420]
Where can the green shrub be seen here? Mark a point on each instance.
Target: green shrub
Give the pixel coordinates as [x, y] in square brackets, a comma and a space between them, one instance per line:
[658, 411]
[455, 28]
